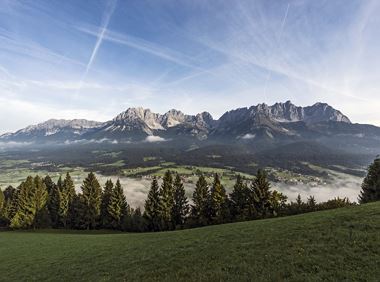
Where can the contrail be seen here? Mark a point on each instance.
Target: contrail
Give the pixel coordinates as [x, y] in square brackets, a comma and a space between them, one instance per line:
[269, 75]
[102, 30]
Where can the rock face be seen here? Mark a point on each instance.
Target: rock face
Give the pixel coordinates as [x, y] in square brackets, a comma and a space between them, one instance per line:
[286, 112]
[139, 122]
[270, 122]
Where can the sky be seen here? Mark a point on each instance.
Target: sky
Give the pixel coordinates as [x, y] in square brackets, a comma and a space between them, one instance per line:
[93, 59]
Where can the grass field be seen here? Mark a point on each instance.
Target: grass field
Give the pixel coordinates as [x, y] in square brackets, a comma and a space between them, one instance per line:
[337, 245]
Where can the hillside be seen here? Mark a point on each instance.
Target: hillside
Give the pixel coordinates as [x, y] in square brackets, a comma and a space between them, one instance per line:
[339, 245]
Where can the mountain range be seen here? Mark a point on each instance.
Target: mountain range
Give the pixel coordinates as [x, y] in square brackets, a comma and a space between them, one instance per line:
[279, 123]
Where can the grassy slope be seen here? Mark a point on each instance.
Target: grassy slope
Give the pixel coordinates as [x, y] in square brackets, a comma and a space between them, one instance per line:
[315, 246]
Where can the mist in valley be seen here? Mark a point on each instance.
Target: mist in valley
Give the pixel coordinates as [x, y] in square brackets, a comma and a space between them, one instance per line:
[340, 185]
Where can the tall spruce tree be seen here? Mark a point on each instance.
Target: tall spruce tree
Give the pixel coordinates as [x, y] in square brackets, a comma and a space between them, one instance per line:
[11, 205]
[91, 197]
[42, 218]
[311, 203]
[66, 195]
[2, 201]
[200, 205]
[106, 197]
[31, 204]
[261, 195]
[152, 207]
[180, 206]
[117, 206]
[25, 214]
[218, 201]
[240, 200]
[371, 185]
[53, 201]
[166, 200]
[3, 220]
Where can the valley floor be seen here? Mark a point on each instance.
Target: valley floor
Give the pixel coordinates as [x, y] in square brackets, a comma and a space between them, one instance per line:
[336, 245]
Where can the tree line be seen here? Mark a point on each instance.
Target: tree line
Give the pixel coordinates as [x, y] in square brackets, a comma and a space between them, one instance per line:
[41, 203]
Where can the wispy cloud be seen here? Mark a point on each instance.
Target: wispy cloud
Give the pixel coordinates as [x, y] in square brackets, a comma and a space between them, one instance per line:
[144, 46]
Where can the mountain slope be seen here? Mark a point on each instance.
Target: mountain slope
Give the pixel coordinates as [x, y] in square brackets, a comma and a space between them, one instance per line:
[260, 126]
[335, 245]
[53, 130]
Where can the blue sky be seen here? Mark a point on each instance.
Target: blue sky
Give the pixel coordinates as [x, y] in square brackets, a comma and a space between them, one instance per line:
[93, 59]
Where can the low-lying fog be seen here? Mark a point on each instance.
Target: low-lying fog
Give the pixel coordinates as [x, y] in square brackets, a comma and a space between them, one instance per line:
[340, 185]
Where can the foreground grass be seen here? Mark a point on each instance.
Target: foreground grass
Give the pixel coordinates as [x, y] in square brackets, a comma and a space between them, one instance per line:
[335, 245]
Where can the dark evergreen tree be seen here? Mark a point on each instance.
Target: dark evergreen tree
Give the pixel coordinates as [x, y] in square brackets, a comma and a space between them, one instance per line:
[3, 221]
[299, 204]
[152, 207]
[371, 185]
[9, 193]
[42, 218]
[261, 196]
[240, 200]
[134, 221]
[117, 207]
[31, 204]
[166, 201]
[78, 220]
[53, 201]
[91, 198]
[311, 204]
[66, 195]
[106, 197]
[278, 202]
[218, 201]
[180, 206]
[2, 201]
[200, 201]
[11, 203]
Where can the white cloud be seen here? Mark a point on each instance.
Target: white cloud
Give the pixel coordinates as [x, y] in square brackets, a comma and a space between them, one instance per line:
[154, 139]
[248, 136]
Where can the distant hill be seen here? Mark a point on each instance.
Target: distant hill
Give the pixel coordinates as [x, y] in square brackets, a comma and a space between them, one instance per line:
[335, 245]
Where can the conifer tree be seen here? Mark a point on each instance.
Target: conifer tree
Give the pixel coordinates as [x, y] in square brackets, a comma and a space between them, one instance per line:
[66, 195]
[261, 195]
[77, 214]
[69, 187]
[200, 201]
[91, 197]
[25, 214]
[180, 205]
[42, 218]
[311, 203]
[371, 185]
[106, 197]
[10, 195]
[53, 201]
[240, 199]
[152, 207]
[117, 207]
[2, 209]
[31, 204]
[166, 200]
[2, 201]
[278, 202]
[218, 201]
